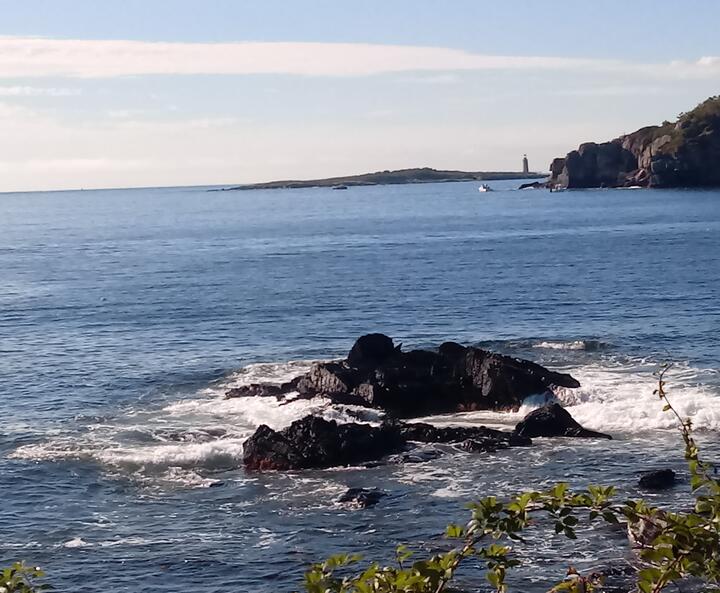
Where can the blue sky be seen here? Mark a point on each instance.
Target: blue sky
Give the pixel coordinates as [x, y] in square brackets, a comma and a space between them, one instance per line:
[170, 92]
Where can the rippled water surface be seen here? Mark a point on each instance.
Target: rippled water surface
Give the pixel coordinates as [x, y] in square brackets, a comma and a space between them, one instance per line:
[126, 314]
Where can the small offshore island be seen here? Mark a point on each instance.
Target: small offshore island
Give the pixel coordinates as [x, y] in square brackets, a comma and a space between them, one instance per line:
[400, 176]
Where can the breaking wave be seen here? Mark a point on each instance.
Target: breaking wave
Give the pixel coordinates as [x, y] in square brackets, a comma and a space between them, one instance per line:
[621, 398]
[585, 345]
[187, 441]
[190, 441]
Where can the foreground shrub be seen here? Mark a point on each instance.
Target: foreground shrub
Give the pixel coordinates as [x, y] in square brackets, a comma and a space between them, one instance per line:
[20, 578]
[672, 547]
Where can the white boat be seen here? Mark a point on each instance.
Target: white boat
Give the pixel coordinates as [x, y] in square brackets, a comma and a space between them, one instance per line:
[484, 187]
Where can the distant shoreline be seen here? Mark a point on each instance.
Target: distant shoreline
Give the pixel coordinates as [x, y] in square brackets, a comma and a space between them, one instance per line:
[397, 177]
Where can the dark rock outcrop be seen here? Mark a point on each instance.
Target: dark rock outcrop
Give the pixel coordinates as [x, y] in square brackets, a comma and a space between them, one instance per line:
[361, 498]
[619, 576]
[596, 165]
[657, 479]
[277, 390]
[256, 390]
[414, 455]
[371, 350]
[553, 420]
[482, 445]
[314, 442]
[378, 374]
[532, 185]
[680, 154]
[427, 433]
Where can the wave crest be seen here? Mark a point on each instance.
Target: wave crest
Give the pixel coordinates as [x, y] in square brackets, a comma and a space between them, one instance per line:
[190, 441]
[584, 345]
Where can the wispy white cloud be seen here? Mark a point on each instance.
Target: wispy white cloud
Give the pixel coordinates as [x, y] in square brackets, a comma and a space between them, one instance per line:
[39, 57]
[446, 78]
[34, 91]
[609, 91]
[74, 165]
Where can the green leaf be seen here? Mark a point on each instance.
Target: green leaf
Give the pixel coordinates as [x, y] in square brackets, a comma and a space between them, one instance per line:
[454, 531]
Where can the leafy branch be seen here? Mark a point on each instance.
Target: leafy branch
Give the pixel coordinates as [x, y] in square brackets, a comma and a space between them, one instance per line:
[676, 545]
[20, 578]
[670, 546]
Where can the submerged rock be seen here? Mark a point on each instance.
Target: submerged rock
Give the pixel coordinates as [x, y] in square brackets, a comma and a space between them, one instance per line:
[361, 498]
[415, 455]
[642, 533]
[482, 445]
[657, 479]
[618, 576]
[378, 374]
[553, 420]
[532, 185]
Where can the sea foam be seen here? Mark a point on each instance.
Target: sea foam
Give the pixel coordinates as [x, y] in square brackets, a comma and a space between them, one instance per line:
[621, 398]
[189, 441]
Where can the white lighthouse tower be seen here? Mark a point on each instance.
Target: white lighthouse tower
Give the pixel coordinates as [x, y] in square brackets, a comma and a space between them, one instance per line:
[526, 166]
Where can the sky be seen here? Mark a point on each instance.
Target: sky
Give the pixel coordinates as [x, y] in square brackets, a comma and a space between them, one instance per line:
[128, 93]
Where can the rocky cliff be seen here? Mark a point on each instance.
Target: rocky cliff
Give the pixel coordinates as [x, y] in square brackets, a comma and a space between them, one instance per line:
[685, 153]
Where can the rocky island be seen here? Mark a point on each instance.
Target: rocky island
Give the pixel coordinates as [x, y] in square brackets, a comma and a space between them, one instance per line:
[378, 374]
[400, 176]
[684, 153]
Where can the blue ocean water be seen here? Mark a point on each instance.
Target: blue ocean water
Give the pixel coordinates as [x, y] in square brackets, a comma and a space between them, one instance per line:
[125, 314]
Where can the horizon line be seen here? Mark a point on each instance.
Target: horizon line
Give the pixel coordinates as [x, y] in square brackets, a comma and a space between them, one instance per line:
[235, 184]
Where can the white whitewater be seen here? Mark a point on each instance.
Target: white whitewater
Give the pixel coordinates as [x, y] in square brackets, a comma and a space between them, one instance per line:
[185, 441]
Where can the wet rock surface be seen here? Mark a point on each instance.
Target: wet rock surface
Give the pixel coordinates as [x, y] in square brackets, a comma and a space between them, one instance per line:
[361, 498]
[427, 433]
[378, 374]
[659, 479]
[553, 420]
[314, 442]
[414, 455]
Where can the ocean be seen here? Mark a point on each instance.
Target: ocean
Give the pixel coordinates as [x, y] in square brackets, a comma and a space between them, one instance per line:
[126, 314]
